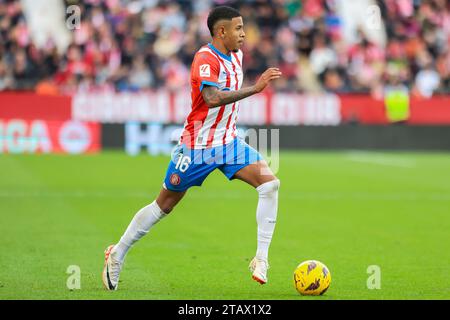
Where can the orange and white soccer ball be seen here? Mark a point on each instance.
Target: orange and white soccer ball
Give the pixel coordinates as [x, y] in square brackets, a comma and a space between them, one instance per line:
[312, 278]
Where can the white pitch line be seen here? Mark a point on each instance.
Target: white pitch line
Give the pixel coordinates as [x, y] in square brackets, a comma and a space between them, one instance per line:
[298, 195]
[380, 159]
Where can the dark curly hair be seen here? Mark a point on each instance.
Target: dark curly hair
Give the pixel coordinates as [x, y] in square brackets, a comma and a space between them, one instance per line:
[221, 13]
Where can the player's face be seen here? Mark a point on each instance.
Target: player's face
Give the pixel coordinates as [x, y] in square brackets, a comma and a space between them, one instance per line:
[235, 34]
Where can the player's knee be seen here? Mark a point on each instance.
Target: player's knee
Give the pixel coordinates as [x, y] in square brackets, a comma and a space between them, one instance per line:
[167, 209]
[269, 188]
[165, 206]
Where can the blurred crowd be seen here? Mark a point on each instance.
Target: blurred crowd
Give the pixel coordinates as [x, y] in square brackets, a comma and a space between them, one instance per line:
[141, 44]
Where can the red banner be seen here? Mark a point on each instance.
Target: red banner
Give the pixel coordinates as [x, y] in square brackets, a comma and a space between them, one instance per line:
[163, 106]
[41, 136]
[362, 109]
[435, 111]
[365, 110]
[27, 105]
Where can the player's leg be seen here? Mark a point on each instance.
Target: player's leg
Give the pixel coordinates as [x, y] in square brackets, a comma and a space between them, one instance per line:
[146, 218]
[248, 165]
[139, 226]
[183, 172]
[266, 183]
[256, 174]
[167, 199]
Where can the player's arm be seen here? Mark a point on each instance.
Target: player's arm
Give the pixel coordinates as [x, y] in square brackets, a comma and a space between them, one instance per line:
[215, 98]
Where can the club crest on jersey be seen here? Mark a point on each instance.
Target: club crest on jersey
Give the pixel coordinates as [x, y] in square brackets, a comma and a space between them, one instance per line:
[205, 70]
[175, 179]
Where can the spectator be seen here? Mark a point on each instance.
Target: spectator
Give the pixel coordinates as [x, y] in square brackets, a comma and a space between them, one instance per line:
[6, 80]
[140, 76]
[322, 56]
[427, 81]
[333, 80]
[147, 44]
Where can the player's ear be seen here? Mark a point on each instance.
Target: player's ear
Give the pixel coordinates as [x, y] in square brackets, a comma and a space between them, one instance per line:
[221, 31]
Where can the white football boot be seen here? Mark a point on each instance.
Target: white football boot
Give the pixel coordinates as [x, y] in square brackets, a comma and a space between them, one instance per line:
[259, 269]
[112, 269]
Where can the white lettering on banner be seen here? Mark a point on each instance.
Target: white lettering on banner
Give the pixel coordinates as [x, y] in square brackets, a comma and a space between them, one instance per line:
[165, 107]
[322, 110]
[121, 107]
[285, 110]
[182, 106]
[291, 109]
[40, 136]
[16, 136]
[253, 110]
[74, 137]
[154, 137]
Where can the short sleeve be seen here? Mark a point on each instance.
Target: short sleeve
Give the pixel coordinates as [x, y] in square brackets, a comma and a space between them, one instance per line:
[206, 70]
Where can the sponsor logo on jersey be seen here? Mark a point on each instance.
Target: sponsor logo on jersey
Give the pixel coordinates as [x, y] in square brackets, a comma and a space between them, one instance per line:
[205, 70]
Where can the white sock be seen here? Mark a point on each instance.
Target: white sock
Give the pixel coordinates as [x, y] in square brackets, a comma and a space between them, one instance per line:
[266, 216]
[139, 227]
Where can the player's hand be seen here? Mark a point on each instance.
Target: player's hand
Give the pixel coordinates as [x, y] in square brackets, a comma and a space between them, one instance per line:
[268, 75]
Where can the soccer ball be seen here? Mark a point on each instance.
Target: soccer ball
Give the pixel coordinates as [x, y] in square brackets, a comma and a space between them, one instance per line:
[312, 278]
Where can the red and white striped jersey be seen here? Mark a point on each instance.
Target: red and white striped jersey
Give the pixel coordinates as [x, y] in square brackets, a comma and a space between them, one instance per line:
[211, 127]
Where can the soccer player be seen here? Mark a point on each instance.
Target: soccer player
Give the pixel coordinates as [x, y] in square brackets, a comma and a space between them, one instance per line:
[209, 142]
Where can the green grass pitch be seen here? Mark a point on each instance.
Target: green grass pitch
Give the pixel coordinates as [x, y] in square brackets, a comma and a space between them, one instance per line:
[349, 210]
